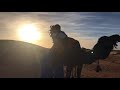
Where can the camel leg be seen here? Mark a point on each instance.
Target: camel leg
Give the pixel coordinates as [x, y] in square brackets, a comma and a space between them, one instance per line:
[68, 73]
[72, 72]
[65, 71]
[76, 74]
[78, 71]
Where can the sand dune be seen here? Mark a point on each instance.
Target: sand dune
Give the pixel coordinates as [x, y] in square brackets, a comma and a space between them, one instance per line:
[20, 59]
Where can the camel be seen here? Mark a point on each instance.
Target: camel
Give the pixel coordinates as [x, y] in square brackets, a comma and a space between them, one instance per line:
[78, 57]
[101, 50]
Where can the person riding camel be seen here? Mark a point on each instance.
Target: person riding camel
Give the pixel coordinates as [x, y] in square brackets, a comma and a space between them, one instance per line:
[63, 45]
[58, 38]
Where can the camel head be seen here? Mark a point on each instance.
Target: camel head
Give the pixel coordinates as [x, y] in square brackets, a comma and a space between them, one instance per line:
[105, 45]
[115, 39]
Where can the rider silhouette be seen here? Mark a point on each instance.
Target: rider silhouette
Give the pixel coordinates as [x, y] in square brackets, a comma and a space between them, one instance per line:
[62, 47]
[58, 48]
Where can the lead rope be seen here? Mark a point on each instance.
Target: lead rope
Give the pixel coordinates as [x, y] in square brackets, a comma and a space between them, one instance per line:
[98, 68]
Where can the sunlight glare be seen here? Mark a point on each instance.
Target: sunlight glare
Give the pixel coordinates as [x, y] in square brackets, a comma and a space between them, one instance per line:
[29, 33]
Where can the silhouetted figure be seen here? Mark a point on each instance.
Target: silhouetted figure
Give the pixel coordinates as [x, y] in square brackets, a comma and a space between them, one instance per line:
[64, 47]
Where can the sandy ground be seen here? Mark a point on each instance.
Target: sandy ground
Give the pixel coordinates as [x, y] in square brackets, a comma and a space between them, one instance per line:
[110, 68]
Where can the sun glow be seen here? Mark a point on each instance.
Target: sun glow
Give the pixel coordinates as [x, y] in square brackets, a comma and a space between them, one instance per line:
[29, 33]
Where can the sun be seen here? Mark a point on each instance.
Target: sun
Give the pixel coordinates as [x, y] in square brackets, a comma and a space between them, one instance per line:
[29, 33]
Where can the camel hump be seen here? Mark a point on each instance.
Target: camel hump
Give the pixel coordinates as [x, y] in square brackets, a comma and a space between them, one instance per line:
[103, 39]
[72, 43]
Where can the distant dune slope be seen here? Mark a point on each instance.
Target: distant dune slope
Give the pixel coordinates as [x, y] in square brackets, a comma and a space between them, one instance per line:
[20, 59]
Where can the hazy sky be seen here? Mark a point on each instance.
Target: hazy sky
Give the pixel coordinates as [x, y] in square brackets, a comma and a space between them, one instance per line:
[86, 27]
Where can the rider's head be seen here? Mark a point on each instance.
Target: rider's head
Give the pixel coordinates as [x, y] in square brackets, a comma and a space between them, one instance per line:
[54, 29]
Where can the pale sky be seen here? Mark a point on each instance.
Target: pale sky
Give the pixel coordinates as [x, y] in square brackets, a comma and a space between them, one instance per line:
[86, 27]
